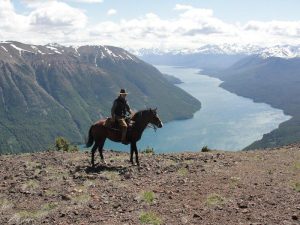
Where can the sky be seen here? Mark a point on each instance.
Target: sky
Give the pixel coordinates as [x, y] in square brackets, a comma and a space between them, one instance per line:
[162, 24]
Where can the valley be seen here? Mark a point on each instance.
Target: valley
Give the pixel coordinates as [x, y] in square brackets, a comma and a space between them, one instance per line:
[266, 75]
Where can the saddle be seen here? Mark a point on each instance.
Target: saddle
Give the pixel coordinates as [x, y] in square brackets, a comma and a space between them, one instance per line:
[109, 123]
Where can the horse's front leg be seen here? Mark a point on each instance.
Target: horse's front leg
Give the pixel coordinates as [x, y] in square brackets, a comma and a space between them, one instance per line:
[131, 153]
[136, 153]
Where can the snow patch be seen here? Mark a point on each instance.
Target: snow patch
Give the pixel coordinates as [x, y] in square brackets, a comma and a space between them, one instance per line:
[128, 56]
[37, 50]
[4, 48]
[102, 55]
[76, 50]
[110, 52]
[20, 49]
[96, 60]
[53, 49]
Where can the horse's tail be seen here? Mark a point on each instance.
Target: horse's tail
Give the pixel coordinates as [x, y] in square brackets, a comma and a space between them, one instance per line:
[91, 139]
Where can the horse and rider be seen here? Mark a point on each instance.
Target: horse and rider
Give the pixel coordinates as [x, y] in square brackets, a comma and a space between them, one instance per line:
[99, 131]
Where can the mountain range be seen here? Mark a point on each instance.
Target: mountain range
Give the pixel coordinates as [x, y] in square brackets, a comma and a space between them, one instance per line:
[53, 90]
[213, 58]
[282, 51]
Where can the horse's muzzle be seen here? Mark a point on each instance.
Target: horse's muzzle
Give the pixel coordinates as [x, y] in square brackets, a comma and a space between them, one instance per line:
[160, 125]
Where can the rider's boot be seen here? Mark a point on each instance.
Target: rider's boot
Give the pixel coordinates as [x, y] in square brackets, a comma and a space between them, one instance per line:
[124, 132]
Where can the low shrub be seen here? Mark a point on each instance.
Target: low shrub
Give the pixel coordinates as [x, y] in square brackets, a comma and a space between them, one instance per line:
[148, 150]
[205, 149]
[62, 144]
[148, 196]
[150, 218]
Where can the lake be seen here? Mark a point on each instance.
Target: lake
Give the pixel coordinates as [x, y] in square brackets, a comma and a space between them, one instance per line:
[225, 121]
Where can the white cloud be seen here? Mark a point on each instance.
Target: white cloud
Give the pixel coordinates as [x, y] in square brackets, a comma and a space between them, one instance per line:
[33, 3]
[53, 20]
[190, 10]
[282, 28]
[10, 20]
[88, 1]
[111, 12]
[55, 15]
[193, 27]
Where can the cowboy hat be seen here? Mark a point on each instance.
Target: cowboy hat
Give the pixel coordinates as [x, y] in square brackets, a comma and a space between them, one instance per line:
[123, 92]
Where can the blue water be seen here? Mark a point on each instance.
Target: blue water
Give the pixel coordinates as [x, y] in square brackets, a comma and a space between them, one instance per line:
[225, 121]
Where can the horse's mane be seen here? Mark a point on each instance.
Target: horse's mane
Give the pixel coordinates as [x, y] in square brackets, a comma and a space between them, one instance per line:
[138, 114]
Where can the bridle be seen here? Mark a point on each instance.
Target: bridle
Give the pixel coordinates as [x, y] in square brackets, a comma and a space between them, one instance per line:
[149, 125]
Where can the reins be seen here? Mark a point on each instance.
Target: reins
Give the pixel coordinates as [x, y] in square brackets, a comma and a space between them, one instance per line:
[150, 125]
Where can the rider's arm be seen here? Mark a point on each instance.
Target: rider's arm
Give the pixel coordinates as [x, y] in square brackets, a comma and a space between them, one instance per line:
[128, 108]
[113, 108]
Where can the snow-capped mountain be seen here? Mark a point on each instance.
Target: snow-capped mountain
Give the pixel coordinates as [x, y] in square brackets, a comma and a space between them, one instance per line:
[13, 49]
[281, 51]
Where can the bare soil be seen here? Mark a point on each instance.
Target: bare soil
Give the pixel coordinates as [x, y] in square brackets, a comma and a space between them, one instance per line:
[254, 187]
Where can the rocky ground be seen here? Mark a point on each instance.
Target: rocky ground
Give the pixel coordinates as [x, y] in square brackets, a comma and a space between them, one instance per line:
[255, 187]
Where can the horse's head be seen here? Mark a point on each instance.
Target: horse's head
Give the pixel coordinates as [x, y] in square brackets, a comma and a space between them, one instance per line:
[147, 116]
[154, 119]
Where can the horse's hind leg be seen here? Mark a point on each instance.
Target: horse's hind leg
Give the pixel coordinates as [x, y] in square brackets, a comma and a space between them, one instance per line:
[100, 149]
[93, 153]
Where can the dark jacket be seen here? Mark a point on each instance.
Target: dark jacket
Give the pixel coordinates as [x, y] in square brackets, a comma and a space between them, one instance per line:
[120, 107]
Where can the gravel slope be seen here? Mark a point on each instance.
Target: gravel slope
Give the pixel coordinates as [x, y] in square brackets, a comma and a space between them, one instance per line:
[255, 187]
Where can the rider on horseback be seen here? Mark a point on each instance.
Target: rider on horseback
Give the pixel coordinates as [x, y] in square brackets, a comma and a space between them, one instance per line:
[118, 112]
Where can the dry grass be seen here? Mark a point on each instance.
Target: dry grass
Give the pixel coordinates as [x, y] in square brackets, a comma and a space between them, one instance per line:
[148, 196]
[111, 175]
[5, 204]
[296, 186]
[29, 216]
[150, 218]
[215, 199]
[30, 185]
[182, 171]
[81, 198]
[234, 181]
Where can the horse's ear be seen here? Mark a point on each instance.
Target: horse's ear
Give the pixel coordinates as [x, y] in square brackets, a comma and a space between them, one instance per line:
[155, 109]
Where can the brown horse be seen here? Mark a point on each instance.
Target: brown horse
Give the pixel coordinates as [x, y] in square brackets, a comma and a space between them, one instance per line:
[99, 132]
